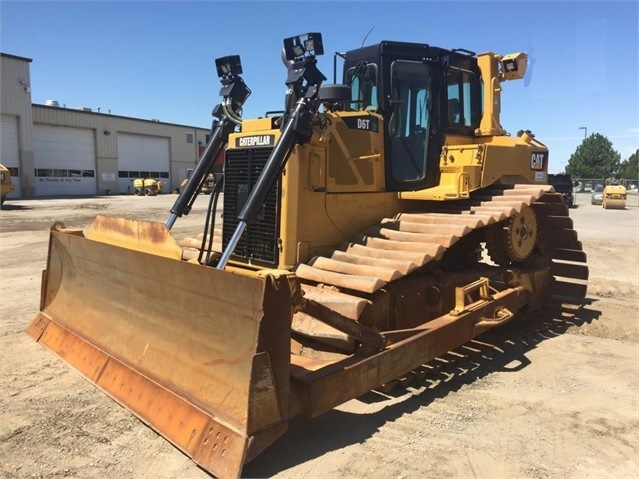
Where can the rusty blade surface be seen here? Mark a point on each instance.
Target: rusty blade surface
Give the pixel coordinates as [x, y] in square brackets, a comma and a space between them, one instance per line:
[209, 442]
[199, 354]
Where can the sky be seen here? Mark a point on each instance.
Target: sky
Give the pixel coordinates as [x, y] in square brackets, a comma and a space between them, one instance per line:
[155, 59]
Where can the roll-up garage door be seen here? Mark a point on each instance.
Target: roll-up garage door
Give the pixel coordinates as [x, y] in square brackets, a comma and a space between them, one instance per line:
[64, 161]
[10, 151]
[142, 156]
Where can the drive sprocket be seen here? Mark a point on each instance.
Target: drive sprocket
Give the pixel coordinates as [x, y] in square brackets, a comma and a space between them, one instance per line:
[514, 240]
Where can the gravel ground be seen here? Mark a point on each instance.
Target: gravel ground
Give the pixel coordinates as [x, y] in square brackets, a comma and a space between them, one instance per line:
[560, 401]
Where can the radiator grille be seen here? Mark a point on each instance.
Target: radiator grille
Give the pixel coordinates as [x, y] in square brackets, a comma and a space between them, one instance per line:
[258, 244]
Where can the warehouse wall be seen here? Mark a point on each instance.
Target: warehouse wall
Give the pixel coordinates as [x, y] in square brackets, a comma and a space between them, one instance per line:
[105, 127]
[15, 100]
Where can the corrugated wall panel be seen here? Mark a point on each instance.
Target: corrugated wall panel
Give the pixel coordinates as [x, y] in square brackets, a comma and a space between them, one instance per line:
[16, 86]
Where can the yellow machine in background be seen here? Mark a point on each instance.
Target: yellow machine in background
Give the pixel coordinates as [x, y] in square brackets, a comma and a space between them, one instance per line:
[350, 250]
[614, 194]
[207, 185]
[147, 186]
[6, 186]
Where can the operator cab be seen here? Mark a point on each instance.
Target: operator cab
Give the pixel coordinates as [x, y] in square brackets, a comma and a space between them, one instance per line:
[423, 94]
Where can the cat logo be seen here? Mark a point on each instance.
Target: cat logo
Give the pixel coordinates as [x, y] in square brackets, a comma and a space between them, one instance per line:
[538, 160]
[255, 141]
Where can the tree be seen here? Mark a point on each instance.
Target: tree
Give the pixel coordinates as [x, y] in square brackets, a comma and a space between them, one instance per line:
[594, 158]
[629, 168]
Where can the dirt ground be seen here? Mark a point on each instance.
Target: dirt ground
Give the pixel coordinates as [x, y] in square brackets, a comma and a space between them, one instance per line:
[559, 402]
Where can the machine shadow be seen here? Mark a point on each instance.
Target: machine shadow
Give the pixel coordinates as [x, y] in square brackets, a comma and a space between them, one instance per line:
[15, 207]
[501, 349]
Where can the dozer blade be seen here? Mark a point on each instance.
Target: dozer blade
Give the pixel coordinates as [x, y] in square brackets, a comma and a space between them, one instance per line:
[199, 354]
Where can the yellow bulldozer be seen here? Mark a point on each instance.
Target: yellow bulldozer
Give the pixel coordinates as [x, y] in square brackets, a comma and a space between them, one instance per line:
[6, 186]
[350, 251]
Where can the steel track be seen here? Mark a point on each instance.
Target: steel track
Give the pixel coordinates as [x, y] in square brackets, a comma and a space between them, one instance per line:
[346, 279]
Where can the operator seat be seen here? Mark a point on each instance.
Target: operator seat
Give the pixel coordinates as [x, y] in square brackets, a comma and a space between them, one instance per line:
[454, 111]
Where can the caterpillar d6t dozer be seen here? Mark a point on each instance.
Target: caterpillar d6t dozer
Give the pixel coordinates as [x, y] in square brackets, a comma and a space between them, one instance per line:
[350, 250]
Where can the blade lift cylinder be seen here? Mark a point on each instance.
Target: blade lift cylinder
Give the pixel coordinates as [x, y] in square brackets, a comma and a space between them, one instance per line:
[234, 92]
[303, 82]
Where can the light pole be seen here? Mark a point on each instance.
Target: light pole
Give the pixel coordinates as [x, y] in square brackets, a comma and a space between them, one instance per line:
[585, 129]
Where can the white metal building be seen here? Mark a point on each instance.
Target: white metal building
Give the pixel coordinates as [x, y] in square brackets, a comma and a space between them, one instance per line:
[58, 151]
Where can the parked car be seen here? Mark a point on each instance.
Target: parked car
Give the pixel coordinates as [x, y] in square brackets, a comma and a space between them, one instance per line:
[563, 184]
[597, 195]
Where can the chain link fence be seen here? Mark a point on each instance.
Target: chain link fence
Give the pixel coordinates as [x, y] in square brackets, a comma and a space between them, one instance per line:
[586, 185]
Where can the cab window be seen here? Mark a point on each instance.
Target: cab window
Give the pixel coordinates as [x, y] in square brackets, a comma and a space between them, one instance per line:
[363, 81]
[464, 101]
